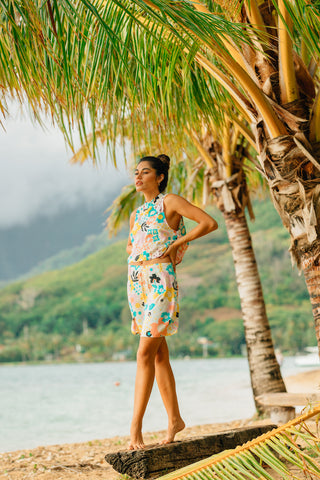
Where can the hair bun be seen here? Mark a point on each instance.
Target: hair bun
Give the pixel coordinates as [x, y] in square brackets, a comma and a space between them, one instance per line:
[164, 159]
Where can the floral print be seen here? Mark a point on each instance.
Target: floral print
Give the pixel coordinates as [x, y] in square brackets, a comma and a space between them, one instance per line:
[153, 299]
[153, 288]
[151, 235]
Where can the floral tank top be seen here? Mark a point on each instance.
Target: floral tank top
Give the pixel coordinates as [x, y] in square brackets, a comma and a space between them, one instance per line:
[151, 235]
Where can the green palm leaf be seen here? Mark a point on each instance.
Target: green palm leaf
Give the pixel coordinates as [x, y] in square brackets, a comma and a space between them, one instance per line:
[122, 207]
[89, 60]
[291, 451]
[306, 21]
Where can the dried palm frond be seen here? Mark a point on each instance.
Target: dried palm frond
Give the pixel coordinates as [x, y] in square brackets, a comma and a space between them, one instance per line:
[291, 451]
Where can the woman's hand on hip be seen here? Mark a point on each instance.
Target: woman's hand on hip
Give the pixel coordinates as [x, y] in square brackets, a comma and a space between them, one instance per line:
[171, 252]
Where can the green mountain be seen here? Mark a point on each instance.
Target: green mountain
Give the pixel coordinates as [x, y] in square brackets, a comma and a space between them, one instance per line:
[27, 247]
[80, 313]
[91, 244]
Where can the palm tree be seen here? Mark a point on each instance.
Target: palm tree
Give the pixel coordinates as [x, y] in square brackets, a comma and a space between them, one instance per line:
[262, 360]
[272, 80]
[228, 152]
[79, 57]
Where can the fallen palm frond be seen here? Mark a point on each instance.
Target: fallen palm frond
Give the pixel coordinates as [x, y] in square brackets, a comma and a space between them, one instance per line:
[291, 451]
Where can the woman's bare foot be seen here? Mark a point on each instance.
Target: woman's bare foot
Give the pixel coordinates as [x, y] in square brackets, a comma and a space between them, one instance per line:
[136, 440]
[173, 430]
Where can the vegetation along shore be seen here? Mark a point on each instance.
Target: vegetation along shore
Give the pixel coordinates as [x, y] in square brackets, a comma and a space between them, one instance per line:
[80, 312]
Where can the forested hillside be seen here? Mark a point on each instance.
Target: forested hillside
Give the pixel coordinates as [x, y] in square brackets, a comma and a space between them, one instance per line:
[27, 247]
[80, 313]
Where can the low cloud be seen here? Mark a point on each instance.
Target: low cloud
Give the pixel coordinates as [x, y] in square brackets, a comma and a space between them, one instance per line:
[36, 177]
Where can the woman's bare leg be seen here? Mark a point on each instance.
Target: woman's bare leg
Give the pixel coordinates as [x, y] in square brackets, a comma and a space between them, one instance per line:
[147, 350]
[167, 387]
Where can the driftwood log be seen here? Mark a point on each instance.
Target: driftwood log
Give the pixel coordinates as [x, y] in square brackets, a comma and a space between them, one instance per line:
[156, 460]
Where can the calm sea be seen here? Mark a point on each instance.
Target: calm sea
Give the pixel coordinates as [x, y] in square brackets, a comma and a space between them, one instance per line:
[50, 404]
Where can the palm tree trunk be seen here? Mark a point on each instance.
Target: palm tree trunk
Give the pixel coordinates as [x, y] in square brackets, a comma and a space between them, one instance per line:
[264, 369]
[232, 197]
[310, 264]
[292, 167]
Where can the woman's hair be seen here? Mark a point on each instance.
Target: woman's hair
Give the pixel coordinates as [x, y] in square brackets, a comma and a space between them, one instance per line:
[160, 164]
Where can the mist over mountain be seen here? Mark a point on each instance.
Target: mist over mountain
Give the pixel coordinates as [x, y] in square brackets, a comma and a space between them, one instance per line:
[48, 204]
[23, 248]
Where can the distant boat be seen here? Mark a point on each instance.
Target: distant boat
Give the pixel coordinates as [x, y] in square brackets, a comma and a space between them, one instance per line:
[310, 359]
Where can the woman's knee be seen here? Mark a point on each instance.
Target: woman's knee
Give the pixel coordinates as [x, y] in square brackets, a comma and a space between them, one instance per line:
[147, 351]
[162, 355]
[144, 356]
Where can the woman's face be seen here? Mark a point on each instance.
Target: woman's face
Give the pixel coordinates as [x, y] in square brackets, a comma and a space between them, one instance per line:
[146, 177]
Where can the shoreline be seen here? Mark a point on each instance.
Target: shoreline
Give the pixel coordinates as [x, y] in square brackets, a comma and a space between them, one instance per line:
[85, 460]
[83, 361]
[80, 360]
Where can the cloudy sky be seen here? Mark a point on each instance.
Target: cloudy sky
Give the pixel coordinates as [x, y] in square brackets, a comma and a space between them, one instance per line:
[36, 177]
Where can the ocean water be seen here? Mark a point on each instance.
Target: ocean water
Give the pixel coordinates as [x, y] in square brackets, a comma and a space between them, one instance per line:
[50, 404]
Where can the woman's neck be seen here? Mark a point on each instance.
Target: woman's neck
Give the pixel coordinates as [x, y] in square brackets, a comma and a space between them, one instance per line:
[148, 196]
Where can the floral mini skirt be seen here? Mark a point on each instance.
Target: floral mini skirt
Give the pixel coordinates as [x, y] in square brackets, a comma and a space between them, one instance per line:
[153, 299]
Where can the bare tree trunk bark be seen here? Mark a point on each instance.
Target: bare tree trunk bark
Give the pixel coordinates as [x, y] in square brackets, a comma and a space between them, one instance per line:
[264, 369]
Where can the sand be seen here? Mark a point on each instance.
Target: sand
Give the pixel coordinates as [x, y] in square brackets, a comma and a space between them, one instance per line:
[306, 381]
[86, 460]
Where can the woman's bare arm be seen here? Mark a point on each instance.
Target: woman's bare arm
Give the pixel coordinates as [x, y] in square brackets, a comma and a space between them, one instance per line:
[129, 244]
[206, 224]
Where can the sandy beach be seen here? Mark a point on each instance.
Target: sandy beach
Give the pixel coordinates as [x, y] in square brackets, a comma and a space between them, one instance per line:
[86, 460]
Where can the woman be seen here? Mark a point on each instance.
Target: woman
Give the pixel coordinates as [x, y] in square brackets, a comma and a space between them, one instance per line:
[156, 244]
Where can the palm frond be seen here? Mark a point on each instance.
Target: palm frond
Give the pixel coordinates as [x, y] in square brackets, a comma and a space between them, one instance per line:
[305, 16]
[86, 60]
[121, 208]
[287, 80]
[210, 29]
[291, 451]
[315, 120]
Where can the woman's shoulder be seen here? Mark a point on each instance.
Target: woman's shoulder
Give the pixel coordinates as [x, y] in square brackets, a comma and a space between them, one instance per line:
[171, 199]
